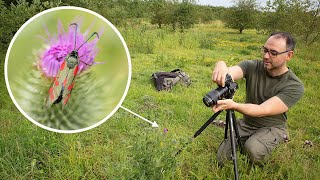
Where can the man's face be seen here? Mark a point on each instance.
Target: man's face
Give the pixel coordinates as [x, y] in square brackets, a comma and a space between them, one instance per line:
[271, 59]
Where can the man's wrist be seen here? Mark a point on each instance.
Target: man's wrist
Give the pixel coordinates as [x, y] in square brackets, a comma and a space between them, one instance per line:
[236, 106]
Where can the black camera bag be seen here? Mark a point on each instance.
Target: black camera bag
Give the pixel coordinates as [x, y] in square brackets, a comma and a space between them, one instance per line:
[166, 80]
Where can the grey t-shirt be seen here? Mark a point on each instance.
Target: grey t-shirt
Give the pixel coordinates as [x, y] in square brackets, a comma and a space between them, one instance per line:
[260, 86]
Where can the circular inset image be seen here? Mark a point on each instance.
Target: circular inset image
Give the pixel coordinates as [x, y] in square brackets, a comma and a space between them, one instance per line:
[67, 69]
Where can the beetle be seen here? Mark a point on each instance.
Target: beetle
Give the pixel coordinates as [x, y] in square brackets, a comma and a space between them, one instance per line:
[63, 83]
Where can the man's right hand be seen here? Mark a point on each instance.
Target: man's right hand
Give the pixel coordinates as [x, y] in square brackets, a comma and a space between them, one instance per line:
[219, 73]
[221, 70]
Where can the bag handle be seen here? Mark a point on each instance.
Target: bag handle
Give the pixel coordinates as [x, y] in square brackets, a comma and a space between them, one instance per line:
[175, 70]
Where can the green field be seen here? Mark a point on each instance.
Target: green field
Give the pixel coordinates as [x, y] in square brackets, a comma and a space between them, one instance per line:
[125, 147]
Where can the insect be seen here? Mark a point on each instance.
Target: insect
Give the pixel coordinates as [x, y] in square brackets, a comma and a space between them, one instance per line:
[63, 83]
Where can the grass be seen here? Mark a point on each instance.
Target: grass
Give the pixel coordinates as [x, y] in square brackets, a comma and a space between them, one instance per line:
[126, 147]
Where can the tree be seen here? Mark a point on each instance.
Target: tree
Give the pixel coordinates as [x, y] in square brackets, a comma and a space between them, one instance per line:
[205, 14]
[184, 15]
[13, 16]
[299, 17]
[242, 15]
[160, 12]
[174, 13]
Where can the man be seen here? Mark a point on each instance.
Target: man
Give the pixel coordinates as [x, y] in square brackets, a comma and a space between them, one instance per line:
[271, 89]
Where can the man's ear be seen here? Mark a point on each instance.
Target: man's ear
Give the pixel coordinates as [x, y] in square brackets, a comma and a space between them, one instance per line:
[290, 55]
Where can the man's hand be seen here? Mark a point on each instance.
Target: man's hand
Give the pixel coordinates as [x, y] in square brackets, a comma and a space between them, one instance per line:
[224, 105]
[219, 73]
[221, 70]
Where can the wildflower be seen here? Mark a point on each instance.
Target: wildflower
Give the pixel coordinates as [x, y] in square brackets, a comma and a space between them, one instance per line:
[60, 45]
[165, 130]
[308, 143]
[219, 123]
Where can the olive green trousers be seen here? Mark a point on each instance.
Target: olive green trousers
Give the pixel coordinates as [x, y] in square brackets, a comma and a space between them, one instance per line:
[257, 143]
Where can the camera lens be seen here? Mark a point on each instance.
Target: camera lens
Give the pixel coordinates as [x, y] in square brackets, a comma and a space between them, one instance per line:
[208, 101]
[219, 93]
[213, 96]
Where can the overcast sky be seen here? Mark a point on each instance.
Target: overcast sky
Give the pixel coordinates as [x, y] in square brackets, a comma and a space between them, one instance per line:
[225, 3]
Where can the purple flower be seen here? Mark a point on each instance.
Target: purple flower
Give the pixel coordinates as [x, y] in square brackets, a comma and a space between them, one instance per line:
[165, 130]
[60, 45]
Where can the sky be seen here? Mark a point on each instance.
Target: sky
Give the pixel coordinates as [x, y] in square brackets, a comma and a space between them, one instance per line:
[225, 3]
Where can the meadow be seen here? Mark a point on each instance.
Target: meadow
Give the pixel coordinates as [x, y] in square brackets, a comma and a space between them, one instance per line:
[125, 147]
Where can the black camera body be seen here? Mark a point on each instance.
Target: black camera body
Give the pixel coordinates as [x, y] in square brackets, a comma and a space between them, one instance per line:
[220, 92]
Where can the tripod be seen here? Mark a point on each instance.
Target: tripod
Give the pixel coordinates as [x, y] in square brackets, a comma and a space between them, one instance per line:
[211, 99]
[231, 124]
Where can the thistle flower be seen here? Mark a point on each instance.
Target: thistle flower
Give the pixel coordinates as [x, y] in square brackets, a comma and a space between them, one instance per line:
[60, 45]
[165, 130]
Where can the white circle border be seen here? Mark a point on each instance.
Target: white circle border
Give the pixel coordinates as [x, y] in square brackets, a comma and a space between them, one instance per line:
[66, 8]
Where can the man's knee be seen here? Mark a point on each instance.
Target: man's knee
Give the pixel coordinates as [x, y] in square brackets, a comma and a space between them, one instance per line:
[256, 151]
[261, 144]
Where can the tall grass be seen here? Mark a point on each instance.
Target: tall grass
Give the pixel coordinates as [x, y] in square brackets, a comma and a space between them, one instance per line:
[125, 147]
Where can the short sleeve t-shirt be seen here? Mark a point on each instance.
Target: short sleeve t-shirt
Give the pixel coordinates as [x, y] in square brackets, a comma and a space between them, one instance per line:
[260, 86]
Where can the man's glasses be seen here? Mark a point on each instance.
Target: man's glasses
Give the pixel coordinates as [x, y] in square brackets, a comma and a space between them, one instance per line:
[272, 53]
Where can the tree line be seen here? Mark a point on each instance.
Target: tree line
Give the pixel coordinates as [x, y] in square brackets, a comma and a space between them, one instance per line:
[300, 17]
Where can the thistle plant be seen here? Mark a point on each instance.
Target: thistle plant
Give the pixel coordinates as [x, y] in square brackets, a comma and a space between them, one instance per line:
[84, 108]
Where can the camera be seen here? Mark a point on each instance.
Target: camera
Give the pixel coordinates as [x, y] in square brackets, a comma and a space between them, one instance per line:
[220, 92]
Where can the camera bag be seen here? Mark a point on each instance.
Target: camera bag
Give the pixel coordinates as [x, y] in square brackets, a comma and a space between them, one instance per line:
[166, 80]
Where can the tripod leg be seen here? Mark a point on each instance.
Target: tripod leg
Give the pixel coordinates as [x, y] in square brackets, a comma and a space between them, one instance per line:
[236, 130]
[226, 127]
[211, 119]
[233, 144]
[203, 127]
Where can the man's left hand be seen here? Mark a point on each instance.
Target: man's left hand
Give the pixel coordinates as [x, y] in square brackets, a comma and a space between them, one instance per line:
[224, 105]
